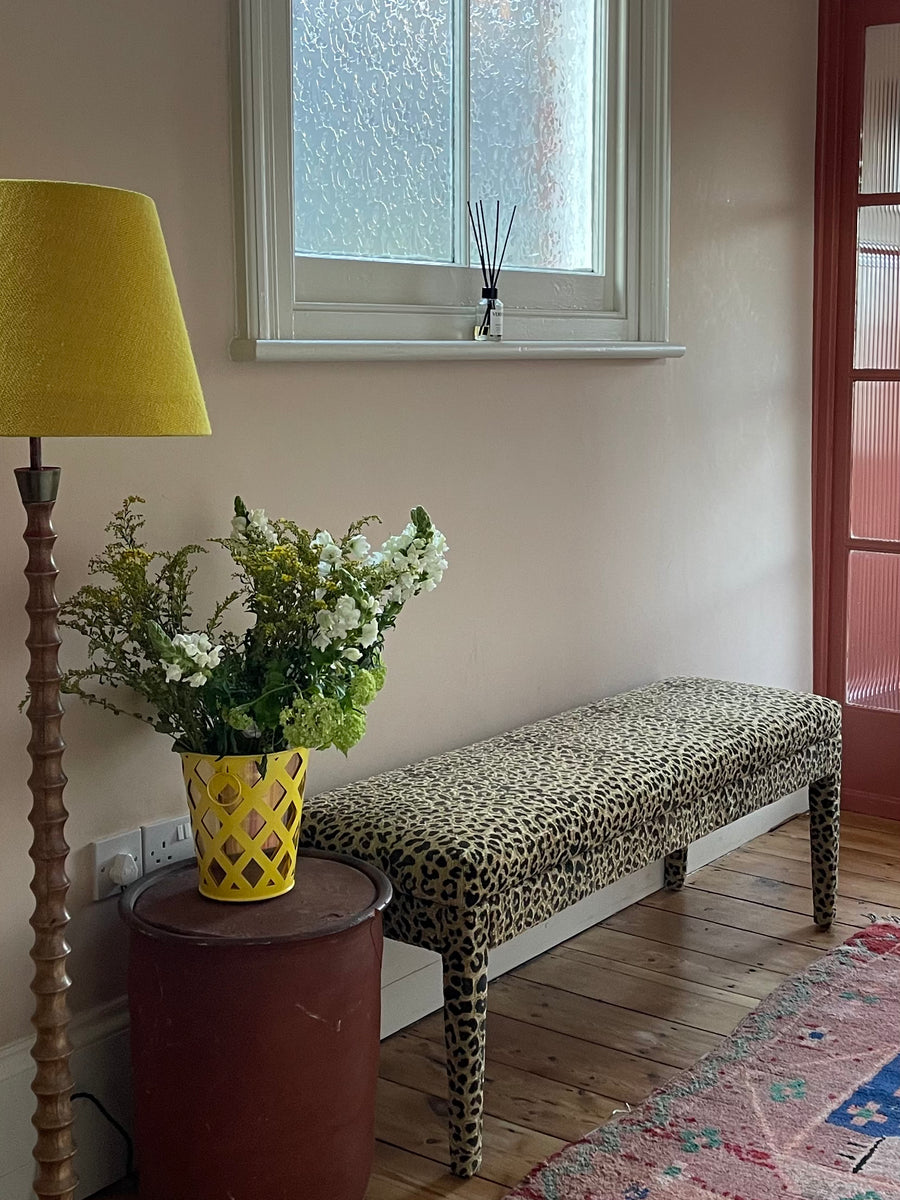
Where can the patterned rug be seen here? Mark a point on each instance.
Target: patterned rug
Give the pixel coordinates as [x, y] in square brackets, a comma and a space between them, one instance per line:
[801, 1102]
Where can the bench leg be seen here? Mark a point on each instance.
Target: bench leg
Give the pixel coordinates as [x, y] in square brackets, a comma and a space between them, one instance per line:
[465, 1010]
[675, 869]
[824, 845]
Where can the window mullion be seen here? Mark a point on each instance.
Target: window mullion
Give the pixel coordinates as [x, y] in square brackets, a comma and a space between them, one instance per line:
[461, 242]
[600, 182]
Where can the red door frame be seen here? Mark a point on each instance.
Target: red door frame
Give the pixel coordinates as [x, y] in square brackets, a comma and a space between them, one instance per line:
[842, 28]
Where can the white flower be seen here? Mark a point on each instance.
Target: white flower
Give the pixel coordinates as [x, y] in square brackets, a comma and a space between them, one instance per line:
[352, 654]
[196, 680]
[321, 640]
[215, 656]
[320, 593]
[324, 569]
[173, 673]
[345, 609]
[359, 547]
[322, 538]
[257, 521]
[330, 554]
[368, 633]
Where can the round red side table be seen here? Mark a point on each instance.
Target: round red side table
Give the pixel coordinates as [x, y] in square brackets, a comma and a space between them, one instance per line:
[255, 1033]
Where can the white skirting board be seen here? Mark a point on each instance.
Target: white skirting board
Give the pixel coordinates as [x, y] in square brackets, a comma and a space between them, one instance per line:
[411, 988]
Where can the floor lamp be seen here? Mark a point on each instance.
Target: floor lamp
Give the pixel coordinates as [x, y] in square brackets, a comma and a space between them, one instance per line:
[92, 344]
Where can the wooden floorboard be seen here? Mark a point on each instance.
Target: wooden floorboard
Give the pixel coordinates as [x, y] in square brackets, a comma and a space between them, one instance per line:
[600, 1021]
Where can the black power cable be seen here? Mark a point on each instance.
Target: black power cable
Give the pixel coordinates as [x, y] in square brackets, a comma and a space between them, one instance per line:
[117, 1125]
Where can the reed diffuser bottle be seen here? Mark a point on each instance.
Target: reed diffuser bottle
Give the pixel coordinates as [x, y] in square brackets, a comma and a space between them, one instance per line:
[489, 313]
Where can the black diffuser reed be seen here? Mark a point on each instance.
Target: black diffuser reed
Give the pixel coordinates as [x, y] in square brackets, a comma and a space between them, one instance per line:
[489, 322]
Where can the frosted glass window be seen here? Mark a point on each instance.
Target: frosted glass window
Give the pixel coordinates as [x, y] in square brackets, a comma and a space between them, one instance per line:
[878, 288]
[373, 128]
[383, 105]
[880, 145]
[532, 101]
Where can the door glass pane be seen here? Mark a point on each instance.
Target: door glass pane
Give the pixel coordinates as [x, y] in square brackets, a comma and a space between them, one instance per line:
[878, 288]
[875, 462]
[880, 144]
[373, 128]
[534, 68]
[873, 630]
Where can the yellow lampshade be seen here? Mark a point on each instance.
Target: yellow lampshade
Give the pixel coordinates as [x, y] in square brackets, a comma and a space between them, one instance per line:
[92, 339]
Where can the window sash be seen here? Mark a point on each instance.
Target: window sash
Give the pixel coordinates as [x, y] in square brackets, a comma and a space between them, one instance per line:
[290, 297]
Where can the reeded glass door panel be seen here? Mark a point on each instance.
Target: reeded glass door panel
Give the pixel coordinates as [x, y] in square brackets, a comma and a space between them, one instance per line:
[373, 128]
[873, 630]
[534, 70]
[875, 462]
[877, 343]
[880, 142]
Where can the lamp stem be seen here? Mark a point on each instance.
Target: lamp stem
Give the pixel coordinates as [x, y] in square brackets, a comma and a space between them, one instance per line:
[34, 445]
[54, 1148]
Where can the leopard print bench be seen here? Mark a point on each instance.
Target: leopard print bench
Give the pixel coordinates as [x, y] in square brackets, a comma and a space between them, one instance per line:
[484, 842]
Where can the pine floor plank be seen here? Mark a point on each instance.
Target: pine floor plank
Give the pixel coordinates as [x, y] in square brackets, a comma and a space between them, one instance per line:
[604, 1024]
[676, 961]
[775, 894]
[669, 1002]
[417, 1122]
[884, 841]
[860, 862]
[511, 1092]
[710, 989]
[882, 825]
[611, 1075]
[750, 916]
[850, 884]
[399, 1175]
[695, 933]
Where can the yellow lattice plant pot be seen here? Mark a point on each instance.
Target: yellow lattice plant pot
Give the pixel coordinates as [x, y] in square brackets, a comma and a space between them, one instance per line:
[246, 825]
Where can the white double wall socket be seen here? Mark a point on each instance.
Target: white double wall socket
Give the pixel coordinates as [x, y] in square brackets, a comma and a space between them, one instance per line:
[167, 841]
[124, 857]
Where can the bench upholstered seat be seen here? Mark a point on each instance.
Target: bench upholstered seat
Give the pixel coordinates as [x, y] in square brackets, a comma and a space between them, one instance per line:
[484, 842]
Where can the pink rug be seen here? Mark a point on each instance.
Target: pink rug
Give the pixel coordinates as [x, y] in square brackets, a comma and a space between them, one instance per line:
[801, 1102]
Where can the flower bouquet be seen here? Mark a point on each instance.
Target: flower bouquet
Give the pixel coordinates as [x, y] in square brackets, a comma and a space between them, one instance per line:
[244, 706]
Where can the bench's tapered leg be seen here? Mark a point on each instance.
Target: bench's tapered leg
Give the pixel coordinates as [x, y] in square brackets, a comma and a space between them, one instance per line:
[824, 845]
[675, 869]
[465, 1011]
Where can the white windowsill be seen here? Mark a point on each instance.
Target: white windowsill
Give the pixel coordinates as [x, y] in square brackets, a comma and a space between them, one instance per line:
[263, 350]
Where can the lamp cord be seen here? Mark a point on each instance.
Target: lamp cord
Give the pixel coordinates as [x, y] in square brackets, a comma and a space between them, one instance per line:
[117, 1125]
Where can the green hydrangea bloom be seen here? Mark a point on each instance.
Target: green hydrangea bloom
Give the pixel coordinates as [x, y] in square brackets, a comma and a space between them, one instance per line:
[240, 720]
[362, 689]
[312, 723]
[378, 674]
[352, 728]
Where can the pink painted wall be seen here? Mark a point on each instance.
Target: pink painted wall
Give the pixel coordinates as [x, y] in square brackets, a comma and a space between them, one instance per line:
[609, 523]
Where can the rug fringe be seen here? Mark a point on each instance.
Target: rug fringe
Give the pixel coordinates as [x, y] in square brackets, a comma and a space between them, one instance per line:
[888, 919]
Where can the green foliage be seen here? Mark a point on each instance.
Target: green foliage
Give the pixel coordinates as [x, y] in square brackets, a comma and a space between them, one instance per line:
[308, 661]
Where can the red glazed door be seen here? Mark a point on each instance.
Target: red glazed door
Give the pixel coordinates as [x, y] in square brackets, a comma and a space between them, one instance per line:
[857, 392]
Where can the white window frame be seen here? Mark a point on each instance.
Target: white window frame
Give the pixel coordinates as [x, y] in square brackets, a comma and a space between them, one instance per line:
[296, 307]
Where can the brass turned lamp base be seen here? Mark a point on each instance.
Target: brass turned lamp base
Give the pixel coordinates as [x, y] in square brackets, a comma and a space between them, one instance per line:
[53, 1084]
